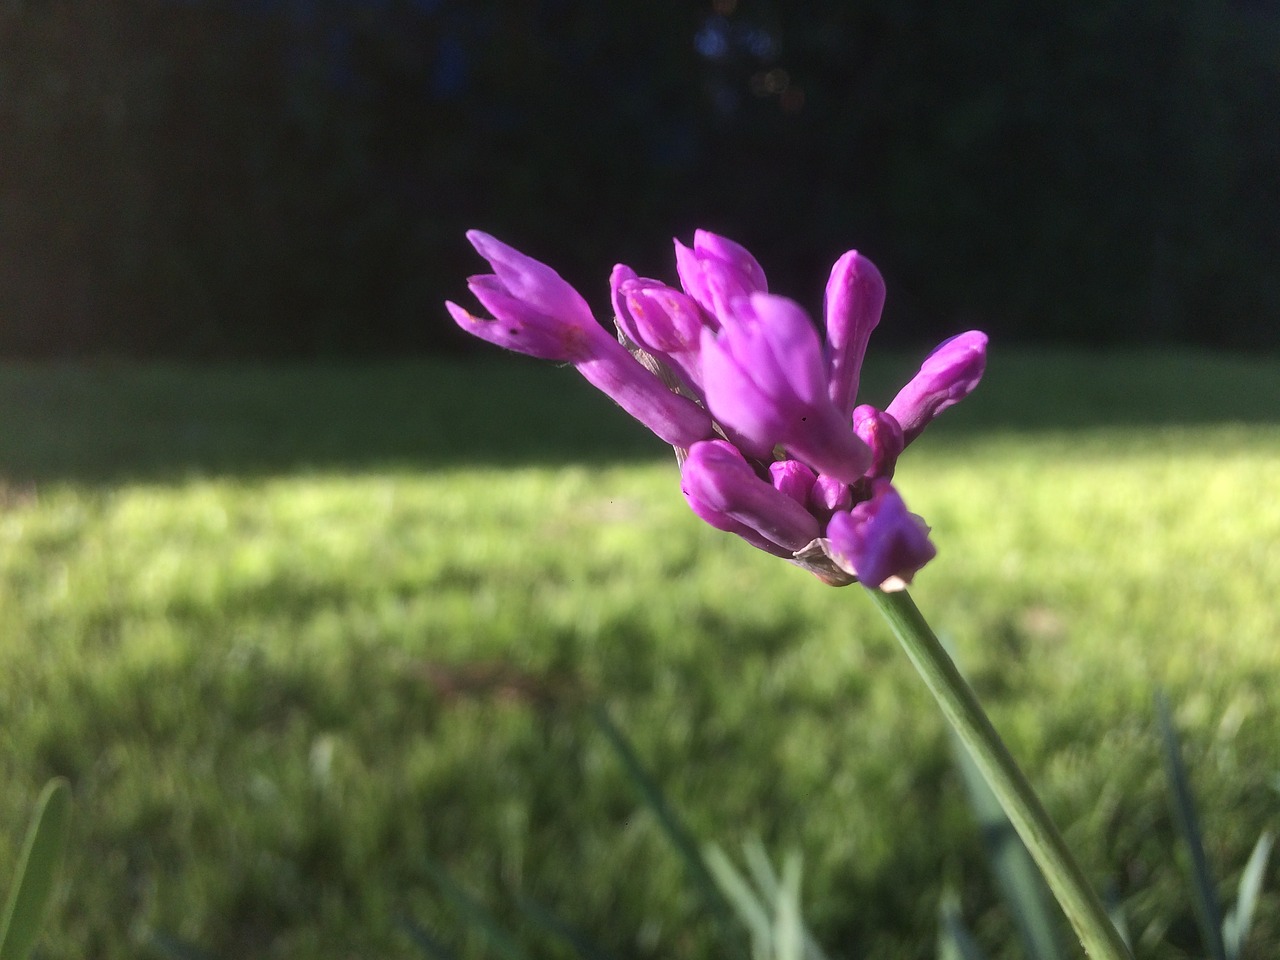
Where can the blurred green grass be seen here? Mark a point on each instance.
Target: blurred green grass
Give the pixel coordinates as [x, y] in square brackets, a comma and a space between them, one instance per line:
[294, 632]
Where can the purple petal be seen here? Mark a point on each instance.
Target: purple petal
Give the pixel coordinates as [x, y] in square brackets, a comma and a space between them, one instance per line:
[513, 333]
[676, 419]
[829, 495]
[764, 379]
[717, 271]
[620, 274]
[553, 337]
[946, 377]
[532, 281]
[719, 482]
[734, 399]
[824, 440]
[879, 541]
[662, 321]
[881, 432]
[734, 255]
[792, 478]
[786, 355]
[854, 301]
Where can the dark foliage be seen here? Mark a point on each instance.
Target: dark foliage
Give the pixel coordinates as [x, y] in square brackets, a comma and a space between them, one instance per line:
[267, 178]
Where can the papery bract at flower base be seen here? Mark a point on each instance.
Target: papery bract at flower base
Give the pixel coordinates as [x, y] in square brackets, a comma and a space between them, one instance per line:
[717, 270]
[946, 377]
[764, 376]
[722, 488]
[879, 541]
[851, 309]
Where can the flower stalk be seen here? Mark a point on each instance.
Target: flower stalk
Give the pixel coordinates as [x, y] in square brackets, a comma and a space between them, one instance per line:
[960, 706]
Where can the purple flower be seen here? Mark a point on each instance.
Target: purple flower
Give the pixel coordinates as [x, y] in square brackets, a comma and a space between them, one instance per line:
[723, 490]
[538, 313]
[792, 478]
[878, 541]
[881, 432]
[663, 322]
[764, 416]
[829, 495]
[946, 377]
[854, 299]
[717, 271]
[535, 311]
[765, 378]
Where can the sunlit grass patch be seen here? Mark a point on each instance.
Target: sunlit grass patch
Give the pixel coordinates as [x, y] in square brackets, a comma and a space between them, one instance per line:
[278, 692]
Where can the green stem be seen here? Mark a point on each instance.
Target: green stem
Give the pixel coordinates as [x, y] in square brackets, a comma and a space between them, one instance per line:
[1097, 934]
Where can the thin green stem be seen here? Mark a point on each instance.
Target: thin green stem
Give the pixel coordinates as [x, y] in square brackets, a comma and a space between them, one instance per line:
[1097, 934]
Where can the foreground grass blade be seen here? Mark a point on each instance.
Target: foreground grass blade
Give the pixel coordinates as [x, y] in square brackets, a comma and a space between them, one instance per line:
[1235, 929]
[671, 824]
[788, 929]
[475, 913]
[36, 872]
[550, 922]
[964, 713]
[751, 911]
[172, 946]
[955, 942]
[771, 909]
[1203, 891]
[427, 941]
[1115, 910]
[1016, 875]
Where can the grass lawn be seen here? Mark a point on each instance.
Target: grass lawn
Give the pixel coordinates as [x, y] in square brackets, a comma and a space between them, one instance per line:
[299, 634]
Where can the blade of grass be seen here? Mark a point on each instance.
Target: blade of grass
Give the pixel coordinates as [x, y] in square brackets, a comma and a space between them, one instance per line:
[671, 824]
[955, 942]
[750, 909]
[1204, 894]
[477, 915]
[37, 870]
[788, 929]
[1235, 929]
[766, 880]
[176, 948]
[762, 872]
[1115, 910]
[1021, 884]
[427, 941]
[549, 921]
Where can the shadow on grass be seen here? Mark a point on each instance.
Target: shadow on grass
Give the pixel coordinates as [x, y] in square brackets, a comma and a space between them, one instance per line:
[106, 422]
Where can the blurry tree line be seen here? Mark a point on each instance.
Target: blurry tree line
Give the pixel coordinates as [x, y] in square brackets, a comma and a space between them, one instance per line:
[293, 177]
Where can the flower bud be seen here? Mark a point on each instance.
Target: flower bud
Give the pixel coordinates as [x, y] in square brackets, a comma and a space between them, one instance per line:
[879, 541]
[881, 433]
[829, 495]
[854, 300]
[947, 376]
[764, 377]
[717, 270]
[660, 320]
[792, 478]
[538, 313]
[722, 488]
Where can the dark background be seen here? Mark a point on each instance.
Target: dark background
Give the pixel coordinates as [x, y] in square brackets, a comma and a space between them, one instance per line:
[292, 178]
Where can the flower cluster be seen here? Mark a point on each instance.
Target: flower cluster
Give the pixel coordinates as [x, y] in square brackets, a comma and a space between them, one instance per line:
[763, 415]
